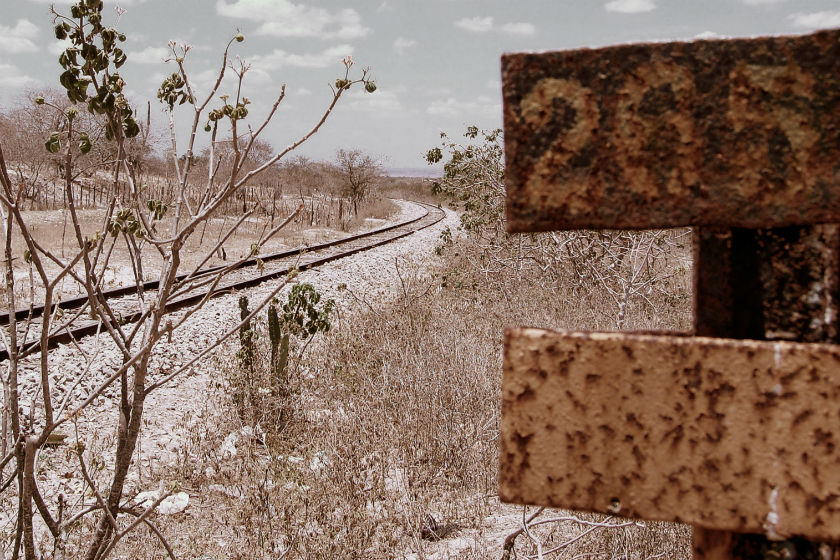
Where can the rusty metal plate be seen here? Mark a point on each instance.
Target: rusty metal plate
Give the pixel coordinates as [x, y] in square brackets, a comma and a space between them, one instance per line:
[723, 434]
[732, 133]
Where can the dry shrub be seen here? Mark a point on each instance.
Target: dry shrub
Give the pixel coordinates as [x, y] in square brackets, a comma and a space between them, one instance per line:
[410, 188]
[393, 422]
[374, 207]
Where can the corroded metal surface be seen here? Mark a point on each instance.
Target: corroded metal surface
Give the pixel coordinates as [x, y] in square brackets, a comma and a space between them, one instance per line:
[735, 133]
[723, 434]
[768, 284]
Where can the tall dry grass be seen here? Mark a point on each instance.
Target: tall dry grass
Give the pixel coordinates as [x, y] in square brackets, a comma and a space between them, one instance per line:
[388, 448]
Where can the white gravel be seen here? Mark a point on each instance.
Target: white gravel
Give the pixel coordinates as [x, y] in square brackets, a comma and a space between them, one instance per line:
[172, 410]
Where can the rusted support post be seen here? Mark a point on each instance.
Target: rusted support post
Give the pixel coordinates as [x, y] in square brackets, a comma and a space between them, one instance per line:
[770, 284]
[727, 136]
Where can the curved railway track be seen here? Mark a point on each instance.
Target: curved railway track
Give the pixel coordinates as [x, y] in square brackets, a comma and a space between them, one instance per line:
[250, 273]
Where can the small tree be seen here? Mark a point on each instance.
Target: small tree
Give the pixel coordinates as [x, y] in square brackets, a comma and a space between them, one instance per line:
[358, 173]
[625, 267]
[91, 80]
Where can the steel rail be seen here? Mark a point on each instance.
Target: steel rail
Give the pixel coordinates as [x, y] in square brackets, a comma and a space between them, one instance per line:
[75, 333]
[72, 303]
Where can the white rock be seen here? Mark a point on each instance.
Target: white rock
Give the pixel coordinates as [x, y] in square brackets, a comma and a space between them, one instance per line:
[146, 499]
[176, 503]
[320, 462]
[228, 447]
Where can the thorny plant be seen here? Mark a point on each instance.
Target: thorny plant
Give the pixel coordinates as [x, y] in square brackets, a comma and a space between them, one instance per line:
[641, 271]
[392, 446]
[261, 389]
[91, 79]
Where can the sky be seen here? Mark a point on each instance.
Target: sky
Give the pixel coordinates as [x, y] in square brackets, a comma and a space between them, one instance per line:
[435, 62]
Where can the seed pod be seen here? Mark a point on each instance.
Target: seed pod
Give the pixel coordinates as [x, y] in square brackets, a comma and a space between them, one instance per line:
[370, 86]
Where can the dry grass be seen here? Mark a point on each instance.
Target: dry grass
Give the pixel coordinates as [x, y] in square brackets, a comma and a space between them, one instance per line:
[374, 209]
[410, 188]
[390, 434]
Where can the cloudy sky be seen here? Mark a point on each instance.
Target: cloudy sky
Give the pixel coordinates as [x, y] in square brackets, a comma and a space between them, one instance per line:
[435, 62]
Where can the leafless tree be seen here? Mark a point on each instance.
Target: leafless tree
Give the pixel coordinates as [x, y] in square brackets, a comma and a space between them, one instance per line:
[358, 173]
[92, 62]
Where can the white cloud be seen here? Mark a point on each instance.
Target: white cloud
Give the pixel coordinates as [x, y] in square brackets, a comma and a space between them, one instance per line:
[282, 18]
[279, 58]
[14, 79]
[58, 47]
[382, 102]
[401, 44]
[817, 20]
[519, 28]
[385, 6]
[482, 106]
[707, 35]
[149, 55]
[18, 39]
[630, 6]
[475, 24]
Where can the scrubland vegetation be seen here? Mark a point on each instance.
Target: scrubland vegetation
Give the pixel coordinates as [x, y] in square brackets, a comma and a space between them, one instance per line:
[356, 431]
[383, 442]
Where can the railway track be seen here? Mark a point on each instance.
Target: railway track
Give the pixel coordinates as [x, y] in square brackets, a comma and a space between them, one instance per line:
[250, 273]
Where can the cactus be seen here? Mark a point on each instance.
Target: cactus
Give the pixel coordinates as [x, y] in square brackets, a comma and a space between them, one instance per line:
[246, 336]
[279, 339]
[246, 361]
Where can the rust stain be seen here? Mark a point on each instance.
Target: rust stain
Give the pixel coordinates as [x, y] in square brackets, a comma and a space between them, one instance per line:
[724, 434]
[735, 133]
[768, 284]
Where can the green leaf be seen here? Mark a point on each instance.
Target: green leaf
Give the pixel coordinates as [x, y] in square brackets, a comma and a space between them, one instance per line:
[84, 143]
[131, 128]
[68, 79]
[434, 155]
[119, 57]
[89, 51]
[53, 143]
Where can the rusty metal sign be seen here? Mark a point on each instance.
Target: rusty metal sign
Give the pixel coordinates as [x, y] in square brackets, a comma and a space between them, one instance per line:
[730, 133]
[724, 434]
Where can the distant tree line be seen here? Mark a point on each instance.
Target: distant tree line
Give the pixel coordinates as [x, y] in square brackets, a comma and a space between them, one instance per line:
[353, 175]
